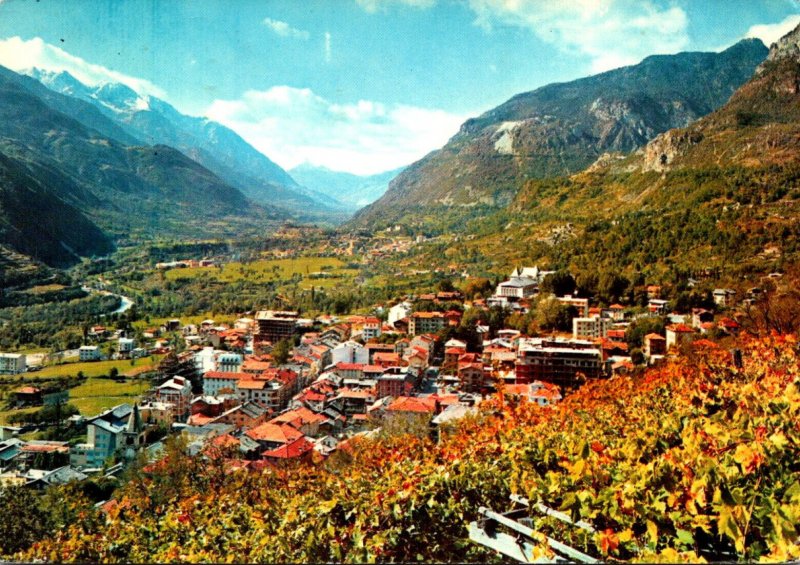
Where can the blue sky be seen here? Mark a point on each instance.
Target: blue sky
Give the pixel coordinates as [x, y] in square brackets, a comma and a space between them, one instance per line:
[361, 85]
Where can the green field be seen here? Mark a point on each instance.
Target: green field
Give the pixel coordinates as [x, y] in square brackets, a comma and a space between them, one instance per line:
[269, 270]
[92, 368]
[96, 395]
[155, 322]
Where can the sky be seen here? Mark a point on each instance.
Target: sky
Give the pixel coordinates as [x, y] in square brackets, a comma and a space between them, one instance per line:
[361, 86]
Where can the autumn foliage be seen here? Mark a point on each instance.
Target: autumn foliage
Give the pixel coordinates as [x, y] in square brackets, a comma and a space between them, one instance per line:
[695, 460]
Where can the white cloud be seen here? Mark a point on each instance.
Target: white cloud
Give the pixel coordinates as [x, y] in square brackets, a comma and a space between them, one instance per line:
[284, 29]
[294, 125]
[19, 55]
[612, 33]
[327, 47]
[771, 33]
[373, 6]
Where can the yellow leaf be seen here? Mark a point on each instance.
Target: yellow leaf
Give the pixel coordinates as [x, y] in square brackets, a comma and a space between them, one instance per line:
[652, 531]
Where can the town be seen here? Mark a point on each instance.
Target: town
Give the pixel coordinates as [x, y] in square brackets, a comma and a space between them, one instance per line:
[274, 388]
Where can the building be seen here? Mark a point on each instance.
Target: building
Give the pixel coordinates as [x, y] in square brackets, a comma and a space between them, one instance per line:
[591, 328]
[426, 322]
[125, 345]
[228, 362]
[371, 328]
[580, 304]
[349, 352]
[517, 287]
[471, 376]
[12, 363]
[89, 353]
[654, 344]
[119, 428]
[678, 335]
[215, 381]
[724, 296]
[273, 326]
[557, 361]
[178, 392]
[398, 312]
[657, 306]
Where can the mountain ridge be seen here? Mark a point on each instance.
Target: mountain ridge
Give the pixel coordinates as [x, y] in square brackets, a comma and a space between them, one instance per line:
[216, 147]
[563, 128]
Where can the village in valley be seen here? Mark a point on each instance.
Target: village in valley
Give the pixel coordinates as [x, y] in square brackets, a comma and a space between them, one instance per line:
[275, 388]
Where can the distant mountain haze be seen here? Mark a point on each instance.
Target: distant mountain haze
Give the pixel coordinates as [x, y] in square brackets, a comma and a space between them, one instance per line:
[352, 190]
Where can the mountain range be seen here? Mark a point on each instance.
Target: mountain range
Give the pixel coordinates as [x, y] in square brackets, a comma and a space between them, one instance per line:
[720, 195]
[72, 181]
[563, 128]
[148, 120]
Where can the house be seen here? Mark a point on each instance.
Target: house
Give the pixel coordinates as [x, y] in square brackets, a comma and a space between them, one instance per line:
[654, 344]
[678, 335]
[118, 429]
[214, 382]
[541, 393]
[398, 312]
[729, 326]
[591, 328]
[371, 328]
[125, 345]
[616, 312]
[724, 296]
[300, 449]
[10, 449]
[656, 306]
[302, 419]
[158, 413]
[451, 355]
[28, 396]
[247, 415]
[228, 362]
[394, 382]
[411, 407]
[471, 376]
[349, 370]
[580, 304]
[386, 359]
[178, 392]
[270, 436]
[350, 352]
[89, 353]
[355, 401]
[426, 322]
[701, 316]
[12, 363]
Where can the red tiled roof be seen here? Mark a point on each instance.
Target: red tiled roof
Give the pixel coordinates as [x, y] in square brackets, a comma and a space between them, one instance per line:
[680, 328]
[278, 433]
[350, 366]
[294, 449]
[412, 404]
[652, 337]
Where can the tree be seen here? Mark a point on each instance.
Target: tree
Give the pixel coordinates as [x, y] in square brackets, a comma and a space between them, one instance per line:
[558, 283]
[282, 351]
[552, 315]
[22, 521]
